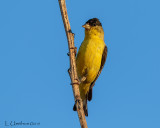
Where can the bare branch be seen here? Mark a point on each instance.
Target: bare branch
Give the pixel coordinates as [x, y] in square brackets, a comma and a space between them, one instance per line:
[73, 71]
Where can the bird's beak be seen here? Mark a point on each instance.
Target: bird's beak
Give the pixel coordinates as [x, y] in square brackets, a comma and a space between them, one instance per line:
[86, 26]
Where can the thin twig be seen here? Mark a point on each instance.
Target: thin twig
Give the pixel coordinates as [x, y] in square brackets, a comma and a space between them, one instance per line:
[73, 71]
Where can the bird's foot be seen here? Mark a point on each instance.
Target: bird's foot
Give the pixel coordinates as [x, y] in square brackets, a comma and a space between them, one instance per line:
[83, 79]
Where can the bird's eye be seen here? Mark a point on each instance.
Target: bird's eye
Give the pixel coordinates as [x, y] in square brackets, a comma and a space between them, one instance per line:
[94, 24]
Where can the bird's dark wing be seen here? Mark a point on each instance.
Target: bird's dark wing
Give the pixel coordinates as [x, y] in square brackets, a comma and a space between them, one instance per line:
[104, 56]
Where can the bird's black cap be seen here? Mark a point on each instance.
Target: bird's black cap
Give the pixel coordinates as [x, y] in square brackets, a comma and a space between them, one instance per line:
[94, 22]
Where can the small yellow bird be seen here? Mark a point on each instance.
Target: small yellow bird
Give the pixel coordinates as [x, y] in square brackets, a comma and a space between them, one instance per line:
[90, 59]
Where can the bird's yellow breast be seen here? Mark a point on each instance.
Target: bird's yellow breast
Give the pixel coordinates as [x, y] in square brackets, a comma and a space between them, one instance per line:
[89, 58]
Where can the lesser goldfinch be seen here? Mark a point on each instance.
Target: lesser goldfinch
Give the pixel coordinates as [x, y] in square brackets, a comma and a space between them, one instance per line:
[90, 59]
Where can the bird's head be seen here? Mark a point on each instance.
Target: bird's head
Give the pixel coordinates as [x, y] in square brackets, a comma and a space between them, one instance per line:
[93, 27]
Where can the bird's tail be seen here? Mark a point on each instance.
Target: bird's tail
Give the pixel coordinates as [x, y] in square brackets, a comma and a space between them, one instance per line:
[85, 108]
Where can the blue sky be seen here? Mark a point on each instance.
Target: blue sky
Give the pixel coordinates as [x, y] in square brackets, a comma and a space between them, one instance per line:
[34, 83]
